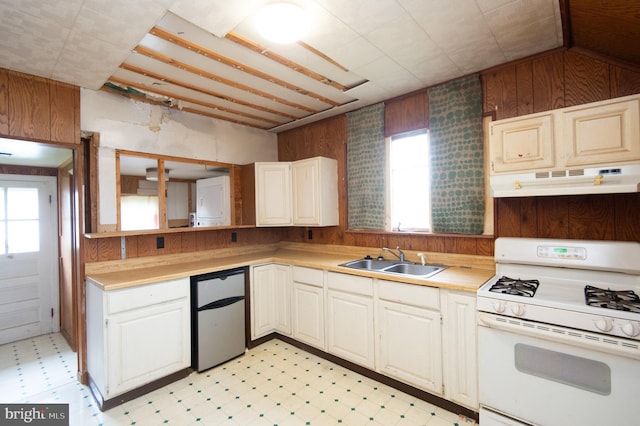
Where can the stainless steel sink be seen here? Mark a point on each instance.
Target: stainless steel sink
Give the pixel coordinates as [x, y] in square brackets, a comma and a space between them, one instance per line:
[395, 267]
[370, 264]
[414, 269]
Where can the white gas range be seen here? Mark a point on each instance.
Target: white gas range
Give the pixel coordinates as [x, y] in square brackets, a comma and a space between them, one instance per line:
[559, 333]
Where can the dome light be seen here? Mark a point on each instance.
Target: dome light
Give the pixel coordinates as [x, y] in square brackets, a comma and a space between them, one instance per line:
[282, 22]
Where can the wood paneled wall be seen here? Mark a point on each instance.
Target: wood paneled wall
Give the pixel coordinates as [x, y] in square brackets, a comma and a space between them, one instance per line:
[553, 80]
[328, 138]
[38, 109]
[108, 248]
[556, 80]
[406, 113]
[589, 217]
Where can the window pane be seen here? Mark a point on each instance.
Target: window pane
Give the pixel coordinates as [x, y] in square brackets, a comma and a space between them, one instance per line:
[3, 245]
[2, 207]
[139, 212]
[23, 236]
[22, 203]
[409, 182]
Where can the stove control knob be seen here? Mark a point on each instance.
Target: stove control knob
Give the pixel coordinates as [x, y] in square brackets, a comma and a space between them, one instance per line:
[499, 307]
[604, 324]
[631, 329]
[517, 309]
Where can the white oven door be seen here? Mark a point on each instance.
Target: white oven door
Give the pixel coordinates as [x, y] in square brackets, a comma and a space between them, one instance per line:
[549, 382]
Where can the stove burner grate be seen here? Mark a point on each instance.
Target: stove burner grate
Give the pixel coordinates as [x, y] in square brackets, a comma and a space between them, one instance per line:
[624, 300]
[517, 287]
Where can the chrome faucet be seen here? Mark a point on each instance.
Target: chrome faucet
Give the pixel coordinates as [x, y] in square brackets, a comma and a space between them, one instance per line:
[399, 255]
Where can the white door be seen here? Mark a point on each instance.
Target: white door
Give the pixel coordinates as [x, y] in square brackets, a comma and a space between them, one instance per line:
[28, 257]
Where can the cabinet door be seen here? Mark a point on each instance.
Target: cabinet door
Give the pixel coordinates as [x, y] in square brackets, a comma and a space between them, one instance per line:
[306, 192]
[308, 314]
[522, 144]
[273, 194]
[270, 300]
[315, 192]
[350, 332]
[460, 347]
[410, 345]
[282, 292]
[604, 134]
[262, 301]
[147, 344]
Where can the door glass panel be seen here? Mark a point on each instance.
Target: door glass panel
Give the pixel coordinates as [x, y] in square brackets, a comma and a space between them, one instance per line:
[20, 220]
[2, 208]
[23, 236]
[3, 222]
[22, 203]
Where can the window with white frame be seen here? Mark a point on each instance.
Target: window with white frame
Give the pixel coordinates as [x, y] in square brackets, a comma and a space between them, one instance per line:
[409, 183]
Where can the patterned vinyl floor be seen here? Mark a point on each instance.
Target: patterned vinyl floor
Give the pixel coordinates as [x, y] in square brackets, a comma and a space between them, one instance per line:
[272, 384]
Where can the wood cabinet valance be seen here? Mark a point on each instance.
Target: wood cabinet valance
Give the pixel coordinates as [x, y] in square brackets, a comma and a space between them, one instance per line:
[406, 113]
[39, 109]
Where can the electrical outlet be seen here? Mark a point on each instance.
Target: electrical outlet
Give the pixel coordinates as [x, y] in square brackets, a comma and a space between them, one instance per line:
[234, 237]
[310, 234]
[159, 242]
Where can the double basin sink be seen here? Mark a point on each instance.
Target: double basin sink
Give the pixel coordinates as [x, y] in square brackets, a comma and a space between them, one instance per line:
[395, 267]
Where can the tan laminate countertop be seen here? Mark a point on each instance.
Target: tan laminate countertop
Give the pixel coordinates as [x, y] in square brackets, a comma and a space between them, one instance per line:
[454, 277]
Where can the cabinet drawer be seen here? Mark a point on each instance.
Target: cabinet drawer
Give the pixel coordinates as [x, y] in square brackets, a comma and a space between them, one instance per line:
[409, 294]
[350, 283]
[146, 295]
[307, 276]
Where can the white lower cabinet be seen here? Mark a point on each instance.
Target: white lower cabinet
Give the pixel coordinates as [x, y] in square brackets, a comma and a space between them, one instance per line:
[270, 299]
[308, 306]
[137, 335]
[423, 336]
[410, 337]
[460, 347]
[350, 316]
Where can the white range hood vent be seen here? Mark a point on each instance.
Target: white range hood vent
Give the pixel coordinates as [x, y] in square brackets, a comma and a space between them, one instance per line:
[597, 180]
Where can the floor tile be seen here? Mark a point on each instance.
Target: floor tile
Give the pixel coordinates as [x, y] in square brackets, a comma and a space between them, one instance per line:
[272, 384]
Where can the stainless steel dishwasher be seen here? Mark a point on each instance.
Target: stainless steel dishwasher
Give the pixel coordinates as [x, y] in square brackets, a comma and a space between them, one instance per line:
[217, 317]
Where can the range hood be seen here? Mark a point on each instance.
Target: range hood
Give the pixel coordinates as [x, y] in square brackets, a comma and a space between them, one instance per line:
[596, 180]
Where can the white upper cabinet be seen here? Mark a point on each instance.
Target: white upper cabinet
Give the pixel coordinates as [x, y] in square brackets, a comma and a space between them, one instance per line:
[522, 144]
[607, 133]
[303, 193]
[595, 134]
[315, 192]
[273, 194]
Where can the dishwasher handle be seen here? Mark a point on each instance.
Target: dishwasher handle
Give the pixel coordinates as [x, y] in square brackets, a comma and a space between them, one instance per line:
[221, 303]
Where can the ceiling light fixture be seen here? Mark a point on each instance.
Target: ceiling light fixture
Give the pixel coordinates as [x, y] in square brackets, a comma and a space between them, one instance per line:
[282, 22]
[152, 174]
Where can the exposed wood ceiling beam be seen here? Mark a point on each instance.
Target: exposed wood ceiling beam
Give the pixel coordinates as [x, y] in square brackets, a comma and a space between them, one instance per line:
[190, 86]
[178, 41]
[168, 94]
[203, 73]
[141, 98]
[264, 51]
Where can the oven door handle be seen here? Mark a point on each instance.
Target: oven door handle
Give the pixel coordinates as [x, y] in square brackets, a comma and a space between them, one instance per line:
[608, 344]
